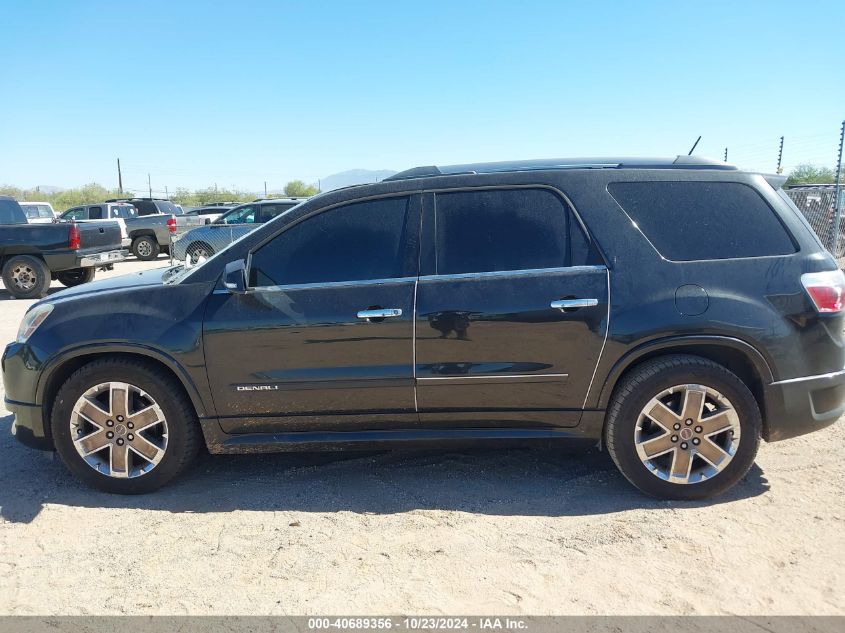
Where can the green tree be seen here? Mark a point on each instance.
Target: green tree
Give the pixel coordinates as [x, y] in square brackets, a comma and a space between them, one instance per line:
[297, 189]
[808, 174]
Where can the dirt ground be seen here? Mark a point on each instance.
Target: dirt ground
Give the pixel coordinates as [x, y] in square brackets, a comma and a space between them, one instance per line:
[508, 531]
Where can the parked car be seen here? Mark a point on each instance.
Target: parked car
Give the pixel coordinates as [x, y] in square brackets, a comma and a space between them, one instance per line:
[31, 255]
[118, 213]
[38, 212]
[204, 241]
[146, 235]
[151, 206]
[672, 311]
[207, 214]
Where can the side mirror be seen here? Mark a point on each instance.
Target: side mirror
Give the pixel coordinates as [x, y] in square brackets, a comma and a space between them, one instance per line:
[234, 277]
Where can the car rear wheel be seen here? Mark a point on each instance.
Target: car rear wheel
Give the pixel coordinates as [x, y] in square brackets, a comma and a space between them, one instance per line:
[26, 277]
[145, 248]
[683, 427]
[199, 249]
[76, 276]
[120, 426]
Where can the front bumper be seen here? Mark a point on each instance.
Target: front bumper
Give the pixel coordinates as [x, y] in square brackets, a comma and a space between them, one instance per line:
[21, 370]
[802, 405]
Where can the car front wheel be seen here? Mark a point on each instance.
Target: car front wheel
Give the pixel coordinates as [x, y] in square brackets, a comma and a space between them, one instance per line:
[120, 426]
[683, 427]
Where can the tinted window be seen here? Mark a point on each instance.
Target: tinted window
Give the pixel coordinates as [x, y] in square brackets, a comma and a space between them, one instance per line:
[145, 207]
[519, 229]
[364, 240]
[10, 212]
[688, 221]
[165, 206]
[95, 213]
[270, 211]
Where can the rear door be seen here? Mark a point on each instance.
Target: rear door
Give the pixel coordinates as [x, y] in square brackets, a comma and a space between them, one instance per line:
[511, 310]
[323, 339]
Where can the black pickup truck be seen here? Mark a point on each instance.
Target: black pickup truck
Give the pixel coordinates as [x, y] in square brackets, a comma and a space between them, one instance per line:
[31, 255]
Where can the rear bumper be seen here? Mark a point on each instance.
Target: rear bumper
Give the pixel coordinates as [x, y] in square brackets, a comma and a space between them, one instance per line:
[102, 259]
[802, 405]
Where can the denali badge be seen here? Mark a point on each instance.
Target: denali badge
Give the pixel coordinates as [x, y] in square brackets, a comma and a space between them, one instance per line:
[257, 387]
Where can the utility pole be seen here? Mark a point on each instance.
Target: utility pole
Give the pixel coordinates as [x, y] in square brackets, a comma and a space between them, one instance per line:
[837, 193]
[780, 156]
[149, 185]
[726, 154]
[166, 193]
[119, 178]
[265, 188]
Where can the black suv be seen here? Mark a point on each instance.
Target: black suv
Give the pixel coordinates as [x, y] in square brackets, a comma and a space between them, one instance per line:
[673, 311]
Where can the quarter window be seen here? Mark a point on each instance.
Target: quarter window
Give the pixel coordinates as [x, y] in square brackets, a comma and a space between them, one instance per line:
[500, 230]
[688, 221]
[356, 242]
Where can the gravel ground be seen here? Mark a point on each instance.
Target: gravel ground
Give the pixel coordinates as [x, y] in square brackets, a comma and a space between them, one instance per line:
[509, 531]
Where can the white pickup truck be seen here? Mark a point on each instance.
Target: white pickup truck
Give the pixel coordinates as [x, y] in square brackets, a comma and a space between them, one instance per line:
[38, 212]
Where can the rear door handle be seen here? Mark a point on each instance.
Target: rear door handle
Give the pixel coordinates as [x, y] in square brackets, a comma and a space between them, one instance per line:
[573, 304]
[381, 313]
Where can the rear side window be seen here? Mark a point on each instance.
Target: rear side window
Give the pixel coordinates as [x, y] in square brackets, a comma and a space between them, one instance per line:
[355, 242]
[505, 229]
[688, 221]
[95, 213]
[270, 211]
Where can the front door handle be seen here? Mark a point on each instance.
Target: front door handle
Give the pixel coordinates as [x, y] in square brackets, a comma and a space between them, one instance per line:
[573, 304]
[381, 313]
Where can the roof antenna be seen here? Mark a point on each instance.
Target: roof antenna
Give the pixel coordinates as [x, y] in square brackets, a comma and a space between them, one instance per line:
[694, 145]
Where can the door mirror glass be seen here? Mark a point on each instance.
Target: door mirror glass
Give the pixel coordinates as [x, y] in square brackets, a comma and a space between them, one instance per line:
[234, 277]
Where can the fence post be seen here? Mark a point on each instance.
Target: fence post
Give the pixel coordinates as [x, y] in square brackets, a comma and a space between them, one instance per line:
[837, 206]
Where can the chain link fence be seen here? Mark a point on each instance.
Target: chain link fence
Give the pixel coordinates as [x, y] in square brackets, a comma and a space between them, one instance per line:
[818, 204]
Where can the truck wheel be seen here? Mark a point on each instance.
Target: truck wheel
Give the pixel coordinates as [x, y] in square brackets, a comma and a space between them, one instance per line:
[683, 427]
[76, 276]
[197, 250]
[26, 277]
[120, 425]
[145, 248]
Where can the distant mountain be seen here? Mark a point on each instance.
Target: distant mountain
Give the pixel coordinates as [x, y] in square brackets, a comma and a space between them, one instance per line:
[353, 177]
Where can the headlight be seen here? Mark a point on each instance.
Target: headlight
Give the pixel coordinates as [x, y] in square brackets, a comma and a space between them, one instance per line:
[32, 320]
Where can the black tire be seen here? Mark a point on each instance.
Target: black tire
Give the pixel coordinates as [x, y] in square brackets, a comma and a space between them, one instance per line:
[76, 276]
[145, 248]
[198, 249]
[31, 269]
[648, 380]
[184, 436]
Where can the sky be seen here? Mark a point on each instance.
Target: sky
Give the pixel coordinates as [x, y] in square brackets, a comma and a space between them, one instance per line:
[238, 93]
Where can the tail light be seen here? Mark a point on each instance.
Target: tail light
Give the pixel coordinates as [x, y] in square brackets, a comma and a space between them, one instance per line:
[74, 239]
[826, 290]
[171, 224]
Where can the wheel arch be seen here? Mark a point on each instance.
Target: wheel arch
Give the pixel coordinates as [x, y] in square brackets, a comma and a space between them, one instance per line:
[133, 235]
[741, 358]
[58, 370]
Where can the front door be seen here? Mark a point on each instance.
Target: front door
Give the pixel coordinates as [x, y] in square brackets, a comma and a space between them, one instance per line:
[512, 308]
[323, 339]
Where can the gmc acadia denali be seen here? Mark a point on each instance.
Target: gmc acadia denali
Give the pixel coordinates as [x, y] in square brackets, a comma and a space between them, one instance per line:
[674, 311]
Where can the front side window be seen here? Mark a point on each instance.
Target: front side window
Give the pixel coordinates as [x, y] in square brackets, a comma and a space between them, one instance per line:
[356, 242]
[74, 214]
[503, 230]
[241, 215]
[688, 221]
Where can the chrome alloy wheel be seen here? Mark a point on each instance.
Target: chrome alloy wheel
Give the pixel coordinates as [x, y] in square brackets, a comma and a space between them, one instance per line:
[24, 277]
[687, 434]
[145, 249]
[119, 430]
